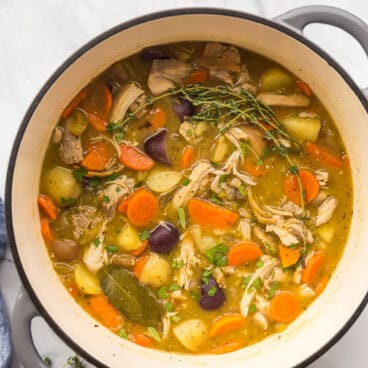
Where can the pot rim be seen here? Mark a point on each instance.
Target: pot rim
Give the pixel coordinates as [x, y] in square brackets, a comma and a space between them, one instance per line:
[75, 56]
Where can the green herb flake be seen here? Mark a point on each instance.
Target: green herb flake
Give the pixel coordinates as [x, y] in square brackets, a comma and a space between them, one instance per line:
[119, 137]
[206, 276]
[79, 173]
[293, 169]
[176, 318]
[106, 199]
[259, 264]
[274, 287]
[182, 217]
[212, 290]
[246, 281]
[123, 334]
[143, 235]
[177, 263]
[194, 295]
[257, 283]
[244, 146]
[111, 248]
[222, 179]
[112, 177]
[69, 201]
[217, 255]
[259, 163]
[185, 182]
[169, 307]
[215, 199]
[188, 133]
[94, 182]
[154, 334]
[117, 189]
[174, 287]
[242, 190]
[96, 242]
[252, 308]
[162, 293]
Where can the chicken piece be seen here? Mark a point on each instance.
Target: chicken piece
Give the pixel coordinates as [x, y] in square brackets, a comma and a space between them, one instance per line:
[116, 190]
[186, 192]
[166, 326]
[231, 166]
[261, 320]
[57, 135]
[322, 177]
[95, 256]
[70, 147]
[238, 134]
[263, 216]
[306, 291]
[266, 239]
[178, 296]
[127, 96]
[137, 106]
[245, 229]
[222, 76]
[219, 276]
[217, 56]
[186, 130]
[293, 208]
[262, 304]
[165, 73]
[272, 99]
[326, 210]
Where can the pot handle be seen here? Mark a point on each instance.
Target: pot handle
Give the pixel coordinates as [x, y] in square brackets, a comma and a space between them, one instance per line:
[301, 17]
[23, 313]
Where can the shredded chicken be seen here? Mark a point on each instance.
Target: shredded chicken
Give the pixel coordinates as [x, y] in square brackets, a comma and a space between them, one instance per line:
[231, 166]
[261, 320]
[218, 56]
[116, 190]
[82, 220]
[322, 177]
[165, 73]
[295, 100]
[124, 100]
[70, 147]
[306, 291]
[186, 130]
[219, 276]
[57, 135]
[326, 210]
[222, 76]
[186, 192]
[245, 229]
[95, 256]
[178, 296]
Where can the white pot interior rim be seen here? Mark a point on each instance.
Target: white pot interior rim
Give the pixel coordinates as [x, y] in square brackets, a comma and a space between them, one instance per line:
[141, 20]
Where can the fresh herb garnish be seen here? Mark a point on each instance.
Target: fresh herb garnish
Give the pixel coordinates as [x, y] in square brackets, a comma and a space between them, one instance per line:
[206, 276]
[162, 292]
[106, 199]
[123, 334]
[293, 169]
[259, 264]
[169, 307]
[252, 308]
[113, 176]
[96, 242]
[177, 263]
[257, 283]
[194, 295]
[217, 255]
[215, 199]
[242, 190]
[185, 182]
[246, 281]
[259, 163]
[79, 173]
[244, 146]
[94, 182]
[154, 334]
[174, 287]
[212, 290]
[69, 201]
[222, 179]
[143, 235]
[119, 137]
[176, 318]
[274, 287]
[111, 248]
[182, 218]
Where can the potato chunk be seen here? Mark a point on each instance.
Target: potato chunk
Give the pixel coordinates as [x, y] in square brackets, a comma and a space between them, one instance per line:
[192, 334]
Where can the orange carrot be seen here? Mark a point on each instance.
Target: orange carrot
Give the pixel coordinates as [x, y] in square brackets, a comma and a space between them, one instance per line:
[228, 347]
[74, 103]
[226, 323]
[321, 285]
[310, 187]
[123, 205]
[108, 315]
[322, 156]
[46, 229]
[243, 252]
[143, 207]
[208, 214]
[141, 249]
[199, 76]
[97, 157]
[98, 101]
[313, 267]
[284, 307]
[288, 256]
[133, 158]
[141, 340]
[188, 157]
[73, 289]
[255, 170]
[95, 121]
[157, 117]
[138, 268]
[304, 87]
[48, 206]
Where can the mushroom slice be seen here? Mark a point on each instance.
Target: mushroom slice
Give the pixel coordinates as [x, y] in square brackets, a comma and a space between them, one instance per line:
[294, 100]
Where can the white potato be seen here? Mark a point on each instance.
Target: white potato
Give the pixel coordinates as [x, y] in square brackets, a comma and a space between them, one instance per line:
[327, 232]
[155, 272]
[203, 242]
[191, 333]
[275, 79]
[128, 239]
[304, 129]
[221, 150]
[161, 181]
[86, 280]
[60, 183]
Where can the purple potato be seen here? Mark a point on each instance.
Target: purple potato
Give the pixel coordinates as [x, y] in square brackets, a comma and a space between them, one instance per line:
[151, 53]
[183, 108]
[163, 238]
[211, 301]
[155, 147]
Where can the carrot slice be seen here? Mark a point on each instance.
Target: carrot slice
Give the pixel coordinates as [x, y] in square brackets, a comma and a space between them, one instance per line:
[46, 229]
[138, 268]
[97, 157]
[243, 252]
[304, 87]
[48, 206]
[188, 157]
[207, 214]
[158, 117]
[141, 249]
[313, 267]
[288, 256]
[133, 158]
[226, 323]
[98, 101]
[321, 285]
[95, 121]
[310, 187]
[106, 313]
[284, 307]
[228, 347]
[255, 170]
[141, 340]
[322, 156]
[74, 103]
[123, 206]
[142, 208]
[199, 76]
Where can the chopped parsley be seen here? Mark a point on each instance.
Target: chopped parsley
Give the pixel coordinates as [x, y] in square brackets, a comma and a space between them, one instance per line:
[222, 179]
[252, 308]
[162, 293]
[274, 287]
[113, 176]
[111, 248]
[259, 163]
[154, 334]
[174, 287]
[206, 276]
[212, 290]
[106, 199]
[259, 264]
[194, 295]
[69, 201]
[293, 169]
[257, 283]
[188, 133]
[242, 190]
[123, 334]
[79, 173]
[217, 255]
[244, 146]
[246, 281]
[176, 318]
[96, 242]
[177, 263]
[182, 218]
[117, 189]
[143, 235]
[169, 307]
[215, 199]
[119, 137]
[94, 182]
[185, 182]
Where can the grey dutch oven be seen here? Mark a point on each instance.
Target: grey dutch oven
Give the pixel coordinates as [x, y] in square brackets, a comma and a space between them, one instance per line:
[281, 39]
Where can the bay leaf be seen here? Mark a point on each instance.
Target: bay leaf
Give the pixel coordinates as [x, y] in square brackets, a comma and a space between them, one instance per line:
[131, 298]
